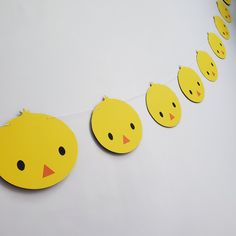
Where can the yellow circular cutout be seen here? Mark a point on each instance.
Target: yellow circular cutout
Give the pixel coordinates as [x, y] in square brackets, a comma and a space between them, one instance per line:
[224, 11]
[217, 45]
[207, 66]
[116, 126]
[228, 2]
[222, 27]
[190, 84]
[163, 105]
[37, 151]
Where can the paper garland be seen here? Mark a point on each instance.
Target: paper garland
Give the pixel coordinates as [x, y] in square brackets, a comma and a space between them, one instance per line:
[116, 126]
[163, 105]
[37, 151]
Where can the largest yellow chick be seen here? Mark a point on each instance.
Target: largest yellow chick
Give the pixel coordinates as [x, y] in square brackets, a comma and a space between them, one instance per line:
[37, 151]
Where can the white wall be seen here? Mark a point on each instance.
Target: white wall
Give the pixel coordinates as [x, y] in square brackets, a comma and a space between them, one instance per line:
[61, 56]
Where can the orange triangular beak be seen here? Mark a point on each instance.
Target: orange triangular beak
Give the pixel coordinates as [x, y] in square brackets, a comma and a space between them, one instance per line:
[172, 116]
[125, 139]
[47, 171]
[213, 73]
[198, 93]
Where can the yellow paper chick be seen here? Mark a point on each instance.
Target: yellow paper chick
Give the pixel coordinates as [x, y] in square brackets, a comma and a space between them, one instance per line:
[190, 84]
[37, 151]
[163, 105]
[207, 66]
[224, 11]
[116, 126]
[222, 27]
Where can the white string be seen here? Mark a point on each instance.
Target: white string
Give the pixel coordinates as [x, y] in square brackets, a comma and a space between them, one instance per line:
[74, 113]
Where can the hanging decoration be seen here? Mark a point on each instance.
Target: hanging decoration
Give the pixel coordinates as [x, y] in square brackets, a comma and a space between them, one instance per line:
[116, 126]
[163, 105]
[37, 151]
[224, 11]
[190, 84]
[217, 45]
[207, 66]
[221, 27]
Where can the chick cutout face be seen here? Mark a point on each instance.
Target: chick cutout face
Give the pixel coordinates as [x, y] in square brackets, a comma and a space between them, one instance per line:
[221, 27]
[163, 105]
[116, 126]
[37, 151]
[191, 84]
[207, 66]
[224, 11]
[217, 45]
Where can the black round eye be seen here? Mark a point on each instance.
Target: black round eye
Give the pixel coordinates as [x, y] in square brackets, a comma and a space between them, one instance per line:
[218, 51]
[190, 91]
[212, 64]
[132, 126]
[220, 44]
[62, 150]
[161, 114]
[223, 33]
[207, 73]
[198, 83]
[173, 104]
[21, 165]
[225, 26]
[110, 136]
